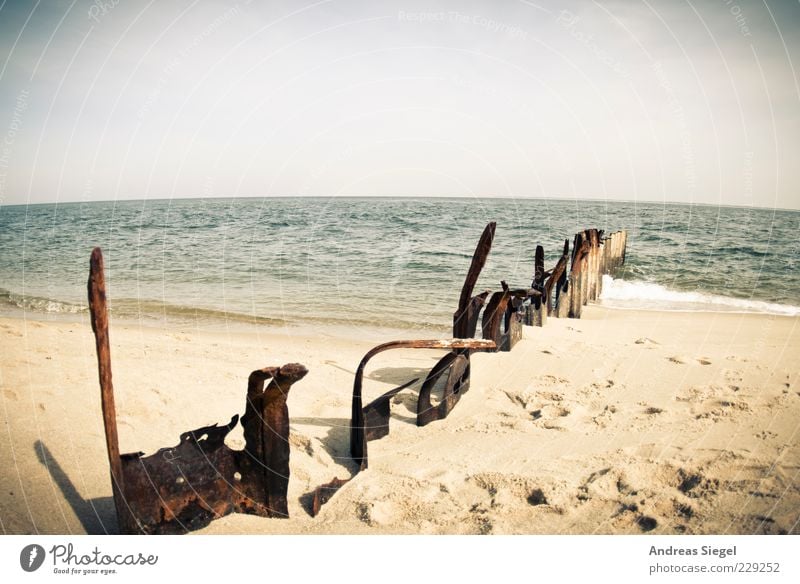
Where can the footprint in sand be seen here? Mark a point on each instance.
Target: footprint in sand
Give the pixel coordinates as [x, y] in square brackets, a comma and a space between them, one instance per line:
[734, 379]
[646, 523]
[646, 341]
[505, 489]
[683, 510]
[652, 411]
[604, 417]
[544, 407]
[549, 416]
[550, 396]
[716, 409]
[704, 361]
[733, 375]
[695, 486]
[552, 380]
[10, 395]
[584, 488]
[676, 360]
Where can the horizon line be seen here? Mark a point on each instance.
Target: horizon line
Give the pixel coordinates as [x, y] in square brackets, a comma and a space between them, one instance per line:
[410, 197]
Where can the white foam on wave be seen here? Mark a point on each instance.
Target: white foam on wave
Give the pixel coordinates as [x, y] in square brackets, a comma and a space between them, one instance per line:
[36, 304]
[649, 296]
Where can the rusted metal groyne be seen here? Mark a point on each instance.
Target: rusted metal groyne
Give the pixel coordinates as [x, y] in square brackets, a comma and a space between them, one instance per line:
[186, 486]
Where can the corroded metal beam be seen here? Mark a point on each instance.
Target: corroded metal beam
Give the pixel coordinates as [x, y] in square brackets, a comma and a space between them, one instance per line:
[98, 309]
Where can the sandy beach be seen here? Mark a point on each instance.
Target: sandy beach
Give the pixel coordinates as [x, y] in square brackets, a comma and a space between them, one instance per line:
[622, 422]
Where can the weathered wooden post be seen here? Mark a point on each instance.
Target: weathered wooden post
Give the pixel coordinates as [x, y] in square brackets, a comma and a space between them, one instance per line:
[593, 263]
[577, 285]
[536, 310]
[600, 265]
[585, 271]
[613, 248]
[559, 279]
[624, 247]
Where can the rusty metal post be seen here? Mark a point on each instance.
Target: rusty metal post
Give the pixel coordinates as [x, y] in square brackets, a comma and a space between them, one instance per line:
[466, 314]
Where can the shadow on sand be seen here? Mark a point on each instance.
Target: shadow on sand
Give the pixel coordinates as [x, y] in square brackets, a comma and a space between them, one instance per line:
[97, 516]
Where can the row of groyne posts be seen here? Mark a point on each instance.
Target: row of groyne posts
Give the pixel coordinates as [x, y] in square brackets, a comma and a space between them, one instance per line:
[565, 292]
[184, 487]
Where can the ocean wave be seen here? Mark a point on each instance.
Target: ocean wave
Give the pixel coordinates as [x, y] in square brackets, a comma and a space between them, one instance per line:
[649, 296]
[148, 310]
[38, 304]
[133, 308]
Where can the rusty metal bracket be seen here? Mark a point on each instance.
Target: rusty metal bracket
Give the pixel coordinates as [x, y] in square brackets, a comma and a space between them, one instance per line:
[502, 320]
[372, 422]
[186, 486]
[456, 365]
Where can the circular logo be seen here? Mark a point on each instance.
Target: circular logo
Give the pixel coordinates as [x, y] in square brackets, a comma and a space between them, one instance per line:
[31, 557]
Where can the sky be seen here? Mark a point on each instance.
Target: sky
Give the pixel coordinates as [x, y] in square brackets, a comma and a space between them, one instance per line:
[649, 100]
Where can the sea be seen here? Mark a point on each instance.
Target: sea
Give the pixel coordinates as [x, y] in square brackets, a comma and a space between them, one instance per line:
[377, 262]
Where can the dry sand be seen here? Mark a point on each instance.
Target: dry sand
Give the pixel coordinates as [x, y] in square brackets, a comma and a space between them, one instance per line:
[621, 422]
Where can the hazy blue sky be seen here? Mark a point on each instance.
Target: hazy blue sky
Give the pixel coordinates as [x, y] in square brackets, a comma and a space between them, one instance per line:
[653, 100]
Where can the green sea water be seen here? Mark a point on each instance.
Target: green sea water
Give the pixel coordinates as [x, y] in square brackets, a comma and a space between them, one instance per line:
[364, 262]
